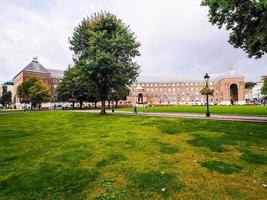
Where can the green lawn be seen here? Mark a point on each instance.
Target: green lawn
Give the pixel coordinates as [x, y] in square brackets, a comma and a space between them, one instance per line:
[65, 155]
[229, 110]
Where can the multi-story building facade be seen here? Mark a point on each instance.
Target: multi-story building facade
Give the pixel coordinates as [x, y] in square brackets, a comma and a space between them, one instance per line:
[227, 89]
[50, 77]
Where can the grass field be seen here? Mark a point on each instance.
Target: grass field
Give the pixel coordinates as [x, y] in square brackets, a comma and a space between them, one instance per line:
[65, 155]
[229, 110]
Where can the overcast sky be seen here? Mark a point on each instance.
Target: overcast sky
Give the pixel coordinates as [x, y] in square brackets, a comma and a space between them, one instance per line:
[176, 37]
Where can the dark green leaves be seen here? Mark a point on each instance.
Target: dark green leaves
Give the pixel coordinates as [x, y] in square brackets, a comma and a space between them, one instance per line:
[246, 19]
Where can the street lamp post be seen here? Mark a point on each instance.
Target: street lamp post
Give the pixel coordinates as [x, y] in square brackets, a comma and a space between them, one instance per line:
[112, 91]
[206, 78]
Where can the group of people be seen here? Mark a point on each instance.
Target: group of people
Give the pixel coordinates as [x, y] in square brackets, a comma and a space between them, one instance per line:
[135, 106]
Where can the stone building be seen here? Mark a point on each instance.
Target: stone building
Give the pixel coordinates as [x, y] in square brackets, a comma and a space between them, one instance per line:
[157, 90]
[227, 89]
[50, 77]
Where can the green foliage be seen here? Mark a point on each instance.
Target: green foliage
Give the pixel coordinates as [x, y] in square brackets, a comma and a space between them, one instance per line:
[264, 88]
[104, 48]
[207, 91]
[6, 98]
[39, 93]
[72, 86]
[221, 167]
[249, 85]
[23, 89]
[246, 19]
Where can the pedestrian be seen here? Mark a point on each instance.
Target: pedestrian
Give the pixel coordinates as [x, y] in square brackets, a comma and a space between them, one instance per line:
[135, 108]
[113, 106]
[145, 107]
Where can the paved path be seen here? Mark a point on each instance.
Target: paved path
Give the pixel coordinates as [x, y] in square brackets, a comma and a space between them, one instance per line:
[187, 115]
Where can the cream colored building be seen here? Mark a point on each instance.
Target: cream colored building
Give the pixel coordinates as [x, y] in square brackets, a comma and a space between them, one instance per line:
[157, 90]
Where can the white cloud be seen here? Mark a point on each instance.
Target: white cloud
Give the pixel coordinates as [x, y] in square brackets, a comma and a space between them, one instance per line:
[176, 36]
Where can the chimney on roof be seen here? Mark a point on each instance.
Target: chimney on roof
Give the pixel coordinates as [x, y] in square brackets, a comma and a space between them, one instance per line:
[35, 59]
[231, 70]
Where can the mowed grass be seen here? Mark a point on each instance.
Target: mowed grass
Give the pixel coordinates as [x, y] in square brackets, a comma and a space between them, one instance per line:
[229, 110]
[65, 155]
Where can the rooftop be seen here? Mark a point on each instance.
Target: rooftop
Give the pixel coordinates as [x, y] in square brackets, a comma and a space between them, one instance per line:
[35, 66]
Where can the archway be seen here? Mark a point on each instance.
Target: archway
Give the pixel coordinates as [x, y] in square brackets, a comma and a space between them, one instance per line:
[140, 98]
[233, 93]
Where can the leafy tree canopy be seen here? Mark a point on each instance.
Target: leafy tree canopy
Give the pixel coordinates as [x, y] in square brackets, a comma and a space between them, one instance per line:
[104, 48]
[72, 86]
[264, 88]
[39, 93]
[246, 19]
[207, 91]
[249, 85]
[23, 89]
[6, 98]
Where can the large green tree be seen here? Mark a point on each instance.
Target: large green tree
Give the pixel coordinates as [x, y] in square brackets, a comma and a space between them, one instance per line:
[23, 89]
[6, 98]
[247, 21]
[264, 90]
[39, 93]
[105, 48]
[73, 87]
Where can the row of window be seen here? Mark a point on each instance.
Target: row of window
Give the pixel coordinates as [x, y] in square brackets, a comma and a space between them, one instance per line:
[171, 89]
[187, 100]
[171, 84]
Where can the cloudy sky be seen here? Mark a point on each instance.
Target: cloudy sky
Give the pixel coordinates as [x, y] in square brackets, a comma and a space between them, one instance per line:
[176, 37]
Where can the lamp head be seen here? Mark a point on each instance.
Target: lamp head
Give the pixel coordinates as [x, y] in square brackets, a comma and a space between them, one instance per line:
[206, 77]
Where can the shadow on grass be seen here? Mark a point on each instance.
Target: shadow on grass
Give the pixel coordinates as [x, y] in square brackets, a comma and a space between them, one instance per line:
[217, 136]
[48, 182]
[112, 159]
[211, 142]
[74, 156]
[252, 157]
[165, 147]
[161, 183]
[221, 167]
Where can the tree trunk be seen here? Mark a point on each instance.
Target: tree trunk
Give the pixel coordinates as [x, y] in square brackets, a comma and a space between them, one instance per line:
[95, 103]
[116, 106]
[81, 104]
[73, 105]
[103, 107]
[108, 103]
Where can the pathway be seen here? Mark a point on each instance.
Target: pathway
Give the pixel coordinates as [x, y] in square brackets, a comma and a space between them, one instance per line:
[186, 115]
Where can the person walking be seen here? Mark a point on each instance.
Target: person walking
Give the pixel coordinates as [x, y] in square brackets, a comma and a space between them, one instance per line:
[145, 107]
[135, 108]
